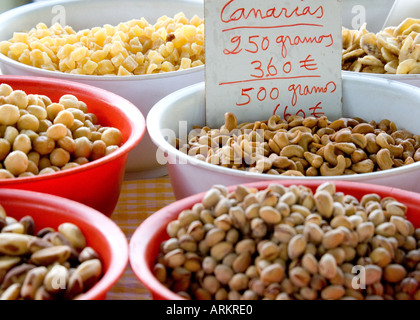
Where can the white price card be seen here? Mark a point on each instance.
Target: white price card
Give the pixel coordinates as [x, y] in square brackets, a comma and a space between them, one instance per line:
[270, 57]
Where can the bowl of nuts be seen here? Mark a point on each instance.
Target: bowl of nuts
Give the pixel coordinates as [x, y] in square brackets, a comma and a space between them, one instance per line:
[376, 140]
[141, 52]
[65, 138]
[294, 240]
[53, 248]
[391, 53]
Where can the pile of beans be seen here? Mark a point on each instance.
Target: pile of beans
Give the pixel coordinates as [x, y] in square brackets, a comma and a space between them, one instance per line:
[44, 265]
[304, 146]
[38, 136]
[290, 243]
[134, 47]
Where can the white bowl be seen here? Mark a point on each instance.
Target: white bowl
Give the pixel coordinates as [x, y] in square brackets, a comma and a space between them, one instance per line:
[370, 98]
[375, 13]
[142, 90]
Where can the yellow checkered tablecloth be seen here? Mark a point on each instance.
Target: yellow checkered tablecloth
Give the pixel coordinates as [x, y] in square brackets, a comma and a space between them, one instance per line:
[138, 200]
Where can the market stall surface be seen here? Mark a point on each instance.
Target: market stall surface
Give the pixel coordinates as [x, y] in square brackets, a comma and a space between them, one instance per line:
[138, 200]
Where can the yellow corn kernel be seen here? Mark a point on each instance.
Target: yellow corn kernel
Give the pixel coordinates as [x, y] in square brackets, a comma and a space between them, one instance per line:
[139, 58]
[137, 31]
[196, 49]
[155, 56]
[116, 48]
[196, 21]
[89, 67]
[135, 45]
[105, 67]
[69, 62]
[130, 64]
[109, 30]
[100, 37]
[123, 72]
[196, 63]
[148, 31]
[25, 57]
[65, 51]
[77, 71]
[180, 18]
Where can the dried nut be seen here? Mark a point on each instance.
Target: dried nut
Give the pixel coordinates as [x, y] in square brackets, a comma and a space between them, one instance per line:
[327, 266]
[89, 271]
[14, 244]
[386, 229]
[296, 246]
[242, 262]
[174, 258]
[270, 215]
[16, 275]
[56, 279]
[333, 292]
[33, 281]
[73, 234]
[381, 257]
[159, 272]
[75, 286]
[284, 233]
[333, 239]
[245, 245]
[220, 250]
[36, 244]
[12, 292]
[7, 262]
[310, 263]
[300, 277]
[341, 220]
[14, 228]
[238, 282]
[373, 274]
[313, 233]
[28, 224]
[88, 253]
[50, 255]
[400, 225]
[365, 231]
[211, 198]
[223, 273]
[273, 273]
[238, 217]
[324, 203]
[394, 273]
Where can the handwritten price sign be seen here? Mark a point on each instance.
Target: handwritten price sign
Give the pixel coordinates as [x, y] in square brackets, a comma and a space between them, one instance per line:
[272, 57]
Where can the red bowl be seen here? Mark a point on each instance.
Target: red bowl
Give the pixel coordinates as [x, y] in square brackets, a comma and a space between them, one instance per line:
[98, 183]
[101, 233]
[145, 243]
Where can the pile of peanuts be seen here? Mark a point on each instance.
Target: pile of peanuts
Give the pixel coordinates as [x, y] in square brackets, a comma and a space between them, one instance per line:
[303, 146]
[394, 50]
[47, 265]
[38, 136]
[289, 243]
[134, 47]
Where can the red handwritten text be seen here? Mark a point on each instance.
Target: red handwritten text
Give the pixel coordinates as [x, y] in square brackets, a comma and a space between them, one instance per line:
[330, 87]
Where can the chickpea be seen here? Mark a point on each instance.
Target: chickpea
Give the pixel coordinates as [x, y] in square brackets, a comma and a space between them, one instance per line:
[4, 149]
[69, 101]
[32, 167]
[5, 90]
[9, 114]
[112, 137]
[83, 147]
[22, 143]
[59, 157]
[16, 162]
[65, 117]
[111, 149]
[44, 162]
[67, 144]
[4, 174]
[98, 150]
[78, 114]
[76, 125]
[18, 98]
[81, 160]
[53, 110]
[82, 132]
[34, 157]
[10, 134]
[28, 122]
[43, 145]
[37, 111]
[57, 131]
[44, 125]
[70, 165]
[47, 170]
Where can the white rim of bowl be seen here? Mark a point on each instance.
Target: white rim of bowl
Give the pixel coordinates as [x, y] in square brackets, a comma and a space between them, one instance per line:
[153, 126]
[26, 9]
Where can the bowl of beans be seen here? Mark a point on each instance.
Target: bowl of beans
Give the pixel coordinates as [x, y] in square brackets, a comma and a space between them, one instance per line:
[371, 49]
[140, 52]
[65, 138]
[375, 141]
[294, 240]
[57, 249]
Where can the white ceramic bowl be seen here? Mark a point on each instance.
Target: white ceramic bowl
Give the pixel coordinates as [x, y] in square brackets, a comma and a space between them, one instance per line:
[374, 13]
[370, 98]
[142, 90]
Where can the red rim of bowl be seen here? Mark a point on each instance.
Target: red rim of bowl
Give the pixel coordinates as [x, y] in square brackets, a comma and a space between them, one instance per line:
[110, 231]
[135, 120]
[139, 248]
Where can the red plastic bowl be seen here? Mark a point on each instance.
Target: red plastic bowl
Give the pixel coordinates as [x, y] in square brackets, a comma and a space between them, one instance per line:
[145, 243]
[101, 233]
[98, 183]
